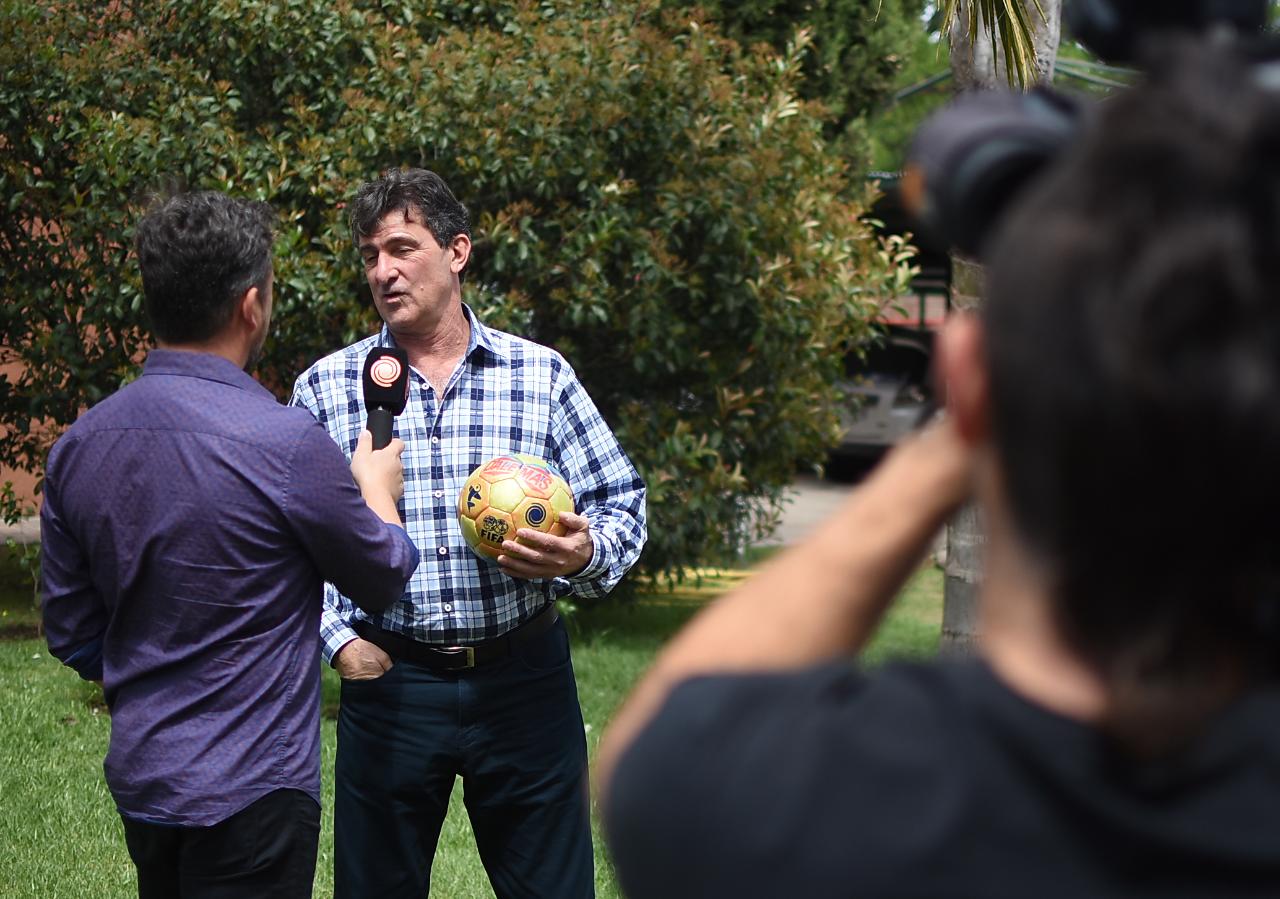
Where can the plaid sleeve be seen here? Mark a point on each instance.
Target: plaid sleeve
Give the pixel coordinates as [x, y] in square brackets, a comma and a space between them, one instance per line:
[606, 486]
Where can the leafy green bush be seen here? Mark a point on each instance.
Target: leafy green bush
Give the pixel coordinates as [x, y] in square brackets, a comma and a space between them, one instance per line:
[648, 197]
[859, 49]
[19, 562]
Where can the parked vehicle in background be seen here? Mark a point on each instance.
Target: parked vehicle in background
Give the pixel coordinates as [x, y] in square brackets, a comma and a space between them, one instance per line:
[888, 384]
[888, 393]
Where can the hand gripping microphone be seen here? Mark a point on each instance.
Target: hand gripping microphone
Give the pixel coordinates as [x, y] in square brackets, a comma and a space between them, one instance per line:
[386, 390]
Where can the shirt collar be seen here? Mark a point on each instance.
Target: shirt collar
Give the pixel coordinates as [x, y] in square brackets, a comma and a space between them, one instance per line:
[207, 366]
[481, 337]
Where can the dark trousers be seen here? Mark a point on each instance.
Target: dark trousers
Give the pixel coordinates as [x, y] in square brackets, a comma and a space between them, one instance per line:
[267, 849]
[512, 730]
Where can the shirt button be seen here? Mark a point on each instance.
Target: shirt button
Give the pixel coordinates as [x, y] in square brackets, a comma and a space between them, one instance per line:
[444, 550]
[435, 439]
[448, 607]
[439, 493]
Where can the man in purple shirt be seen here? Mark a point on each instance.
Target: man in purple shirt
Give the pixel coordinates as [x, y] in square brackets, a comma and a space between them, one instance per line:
[188, 526]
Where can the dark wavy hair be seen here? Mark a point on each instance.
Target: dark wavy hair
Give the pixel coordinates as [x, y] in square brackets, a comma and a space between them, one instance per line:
[199, 252]
[1133, 338]
[413, 192]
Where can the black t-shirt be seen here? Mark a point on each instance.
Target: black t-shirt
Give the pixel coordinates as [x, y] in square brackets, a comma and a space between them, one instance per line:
[933, 780]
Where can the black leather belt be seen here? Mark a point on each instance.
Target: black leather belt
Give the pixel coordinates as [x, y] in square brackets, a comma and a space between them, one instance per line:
[455, 658]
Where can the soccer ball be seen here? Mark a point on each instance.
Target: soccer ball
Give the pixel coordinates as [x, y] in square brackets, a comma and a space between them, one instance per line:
[508, 493]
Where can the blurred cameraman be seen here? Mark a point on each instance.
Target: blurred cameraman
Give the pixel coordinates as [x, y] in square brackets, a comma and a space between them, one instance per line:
[1116, 413]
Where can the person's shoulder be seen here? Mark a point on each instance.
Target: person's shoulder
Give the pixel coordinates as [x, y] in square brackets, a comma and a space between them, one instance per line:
[833, 704]
[916, 693]
[901, 685]
[256, 418]
[343, 363]
[865, 754]
[64, 448]
[294, 420]
[517, 349]
[528, 358]
[108, 413]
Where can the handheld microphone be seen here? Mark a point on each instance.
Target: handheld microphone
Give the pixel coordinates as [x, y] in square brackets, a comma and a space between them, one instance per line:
[386, 390]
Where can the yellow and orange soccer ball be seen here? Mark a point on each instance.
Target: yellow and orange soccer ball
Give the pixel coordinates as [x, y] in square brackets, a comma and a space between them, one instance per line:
[508, 493]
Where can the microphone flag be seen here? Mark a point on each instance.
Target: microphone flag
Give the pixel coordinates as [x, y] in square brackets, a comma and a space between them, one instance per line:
[386, 390]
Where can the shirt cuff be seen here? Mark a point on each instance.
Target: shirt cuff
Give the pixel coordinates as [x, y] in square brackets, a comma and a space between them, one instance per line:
[87, 660]
[414, 552]
[335, 635]
[599, 563]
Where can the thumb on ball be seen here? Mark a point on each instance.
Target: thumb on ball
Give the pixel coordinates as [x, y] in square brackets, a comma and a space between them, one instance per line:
[573, 521]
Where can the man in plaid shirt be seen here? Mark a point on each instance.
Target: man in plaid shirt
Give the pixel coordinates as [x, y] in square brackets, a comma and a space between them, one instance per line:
[469, 673]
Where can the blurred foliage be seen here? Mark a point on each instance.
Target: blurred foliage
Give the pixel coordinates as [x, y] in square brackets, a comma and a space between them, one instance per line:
[649, 196]
[22, 559]
[860, 48]
[922, 86]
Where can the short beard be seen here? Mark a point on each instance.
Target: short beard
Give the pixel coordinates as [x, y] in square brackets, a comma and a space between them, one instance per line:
[255, 353]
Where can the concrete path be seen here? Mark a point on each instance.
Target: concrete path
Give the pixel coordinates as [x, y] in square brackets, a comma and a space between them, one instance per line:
[25, 531]
[809, 501]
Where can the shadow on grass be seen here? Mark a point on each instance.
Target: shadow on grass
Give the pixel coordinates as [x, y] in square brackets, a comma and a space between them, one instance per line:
[20, 630]
[656, 614]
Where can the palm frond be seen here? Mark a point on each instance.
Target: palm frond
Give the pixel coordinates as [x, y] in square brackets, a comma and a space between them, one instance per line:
[1008, 24]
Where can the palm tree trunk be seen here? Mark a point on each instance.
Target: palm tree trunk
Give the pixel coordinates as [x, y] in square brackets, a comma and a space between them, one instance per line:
[962, 572]
[977, 64]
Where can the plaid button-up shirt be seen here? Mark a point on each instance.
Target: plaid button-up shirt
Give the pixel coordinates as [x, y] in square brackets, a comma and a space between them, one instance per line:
[508, 395]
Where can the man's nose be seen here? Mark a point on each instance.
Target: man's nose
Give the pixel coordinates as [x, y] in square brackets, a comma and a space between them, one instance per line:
[385, 271]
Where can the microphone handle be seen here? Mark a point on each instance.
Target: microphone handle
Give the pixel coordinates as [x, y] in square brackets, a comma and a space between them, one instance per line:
[380, 426]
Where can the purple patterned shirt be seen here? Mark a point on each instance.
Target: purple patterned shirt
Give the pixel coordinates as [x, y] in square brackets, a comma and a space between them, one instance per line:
[189, 523]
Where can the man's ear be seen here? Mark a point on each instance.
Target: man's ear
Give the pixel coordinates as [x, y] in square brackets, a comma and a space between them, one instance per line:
[961, 367]
[250, 310]
[460, 248]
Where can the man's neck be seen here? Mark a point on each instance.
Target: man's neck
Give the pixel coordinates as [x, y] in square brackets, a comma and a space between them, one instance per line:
[234, 351]
[1021, 639]
[435, 351]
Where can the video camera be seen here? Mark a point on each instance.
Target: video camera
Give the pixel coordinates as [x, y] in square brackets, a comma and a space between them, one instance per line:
[969, 160]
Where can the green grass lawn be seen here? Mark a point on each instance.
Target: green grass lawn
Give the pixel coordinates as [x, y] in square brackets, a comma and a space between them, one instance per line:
[61, 836]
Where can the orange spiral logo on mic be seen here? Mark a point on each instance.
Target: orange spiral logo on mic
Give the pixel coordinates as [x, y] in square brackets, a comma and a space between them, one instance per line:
[385, 371]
